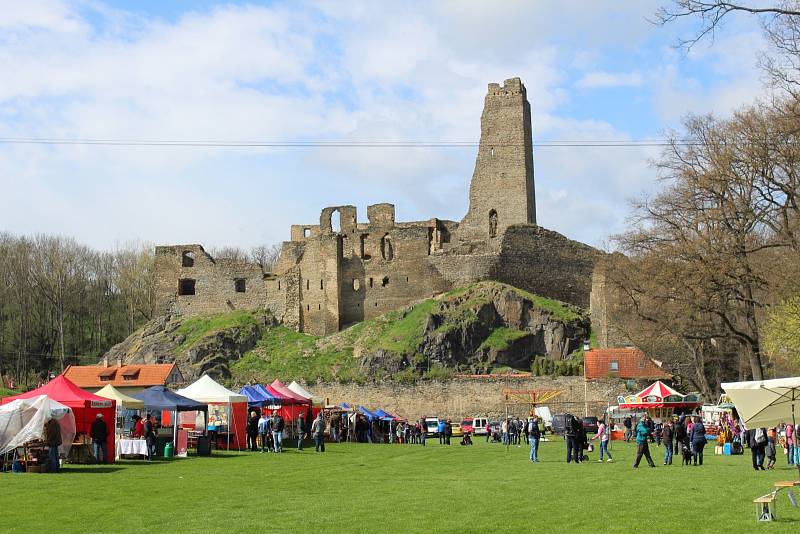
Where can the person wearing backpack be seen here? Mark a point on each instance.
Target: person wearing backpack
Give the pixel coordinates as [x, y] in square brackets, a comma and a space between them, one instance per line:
[757, 440]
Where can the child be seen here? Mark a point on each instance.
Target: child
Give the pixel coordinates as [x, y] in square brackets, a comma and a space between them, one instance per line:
[771, 435]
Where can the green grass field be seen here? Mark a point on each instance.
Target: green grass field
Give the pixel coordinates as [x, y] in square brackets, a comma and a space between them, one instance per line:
[396, 488]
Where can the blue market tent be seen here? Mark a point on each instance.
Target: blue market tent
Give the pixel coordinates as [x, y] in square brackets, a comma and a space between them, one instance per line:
[384, 415]
[161, 398]
[272, 400]
[368, 413]
[254, 396]
[345, 407]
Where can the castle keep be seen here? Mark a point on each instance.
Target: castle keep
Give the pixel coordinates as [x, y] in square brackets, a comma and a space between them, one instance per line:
[330, 276]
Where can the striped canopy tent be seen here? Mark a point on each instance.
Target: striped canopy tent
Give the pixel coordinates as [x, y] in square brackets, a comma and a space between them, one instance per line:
[659, 400]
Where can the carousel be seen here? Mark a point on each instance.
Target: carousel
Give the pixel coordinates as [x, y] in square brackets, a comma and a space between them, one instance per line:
[659, 401]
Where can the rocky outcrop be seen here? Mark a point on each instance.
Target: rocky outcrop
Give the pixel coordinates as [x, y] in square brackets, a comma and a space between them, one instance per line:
[163, 340]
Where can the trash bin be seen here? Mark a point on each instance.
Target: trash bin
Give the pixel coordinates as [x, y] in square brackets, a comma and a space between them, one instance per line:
[203, 446]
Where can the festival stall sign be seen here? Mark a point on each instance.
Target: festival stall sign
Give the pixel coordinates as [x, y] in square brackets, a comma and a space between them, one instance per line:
[659, 401]
[205, 389]
[85, 406]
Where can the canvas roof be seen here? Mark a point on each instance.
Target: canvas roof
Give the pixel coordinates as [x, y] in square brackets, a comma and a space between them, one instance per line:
[160, 398]
[22, 420]
[765, 403]
[61, 389]
[303, 392]
[110, 392]
[138, 375]
[287, 395]
[658, 389]
[206, 389]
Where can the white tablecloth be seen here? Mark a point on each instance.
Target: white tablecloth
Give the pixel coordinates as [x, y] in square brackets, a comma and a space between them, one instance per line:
[131, 446]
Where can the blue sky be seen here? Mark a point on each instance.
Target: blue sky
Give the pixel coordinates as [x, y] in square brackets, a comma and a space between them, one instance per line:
[331, 71]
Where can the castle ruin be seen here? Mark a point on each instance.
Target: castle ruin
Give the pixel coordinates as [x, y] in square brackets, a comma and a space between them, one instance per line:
[331, 276]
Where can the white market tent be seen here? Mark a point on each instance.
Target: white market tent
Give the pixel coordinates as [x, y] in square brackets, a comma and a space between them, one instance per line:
[303, 392]
[23, 420]
[765, 403]
[110, 392]
[206, 389]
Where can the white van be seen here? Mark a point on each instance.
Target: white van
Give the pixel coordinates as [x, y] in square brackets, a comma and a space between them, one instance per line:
[479, 425]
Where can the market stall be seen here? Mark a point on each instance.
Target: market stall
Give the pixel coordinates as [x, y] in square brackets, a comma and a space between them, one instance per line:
[165, 400]
[222, 402]
[127, 406]
[85, 407]
[291, 403]
[660, 401]
[22, 425]
[259, 397]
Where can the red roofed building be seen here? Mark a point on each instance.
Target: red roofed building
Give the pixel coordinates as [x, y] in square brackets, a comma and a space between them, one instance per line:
[127, 378]
[626, 362]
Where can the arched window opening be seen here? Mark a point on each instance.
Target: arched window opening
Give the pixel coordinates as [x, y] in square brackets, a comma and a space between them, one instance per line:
[387, 249]
[356, 284]
[336, 221]
[187, 259]
[493, 223]
[385, 281]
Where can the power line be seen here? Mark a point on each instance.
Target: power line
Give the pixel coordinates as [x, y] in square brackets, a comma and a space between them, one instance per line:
[338, 144]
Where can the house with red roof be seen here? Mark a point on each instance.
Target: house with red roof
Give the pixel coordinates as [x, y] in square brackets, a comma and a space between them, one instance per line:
[628, 363]
[129, 379]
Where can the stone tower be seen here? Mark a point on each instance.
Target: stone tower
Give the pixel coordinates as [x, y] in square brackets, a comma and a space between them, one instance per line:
[502, 189]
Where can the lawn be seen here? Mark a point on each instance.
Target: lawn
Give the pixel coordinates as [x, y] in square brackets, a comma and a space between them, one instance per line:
[396, 488]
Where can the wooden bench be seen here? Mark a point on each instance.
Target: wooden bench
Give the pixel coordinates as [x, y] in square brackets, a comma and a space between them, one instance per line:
[765, 507]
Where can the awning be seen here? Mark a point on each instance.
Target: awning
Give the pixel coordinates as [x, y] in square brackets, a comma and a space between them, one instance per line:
[161, 398]
[110, 392]
[766, 403]
[206, 389]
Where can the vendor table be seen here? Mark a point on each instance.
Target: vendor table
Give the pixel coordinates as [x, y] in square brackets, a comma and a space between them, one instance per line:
[131, 446]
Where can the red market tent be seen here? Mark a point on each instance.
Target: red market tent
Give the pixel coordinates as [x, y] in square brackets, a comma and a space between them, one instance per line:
[292, 404]
[84, 405]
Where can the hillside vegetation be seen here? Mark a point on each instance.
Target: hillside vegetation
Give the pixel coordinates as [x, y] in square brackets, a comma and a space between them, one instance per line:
[478, 329]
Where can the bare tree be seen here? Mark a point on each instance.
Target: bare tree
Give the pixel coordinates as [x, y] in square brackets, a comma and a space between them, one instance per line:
[266, 256]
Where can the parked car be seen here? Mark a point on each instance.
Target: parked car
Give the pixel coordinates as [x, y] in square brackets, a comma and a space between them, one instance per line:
[560, 422]
[479, 425]
[457, 431]
[431, 425]
[590, 425]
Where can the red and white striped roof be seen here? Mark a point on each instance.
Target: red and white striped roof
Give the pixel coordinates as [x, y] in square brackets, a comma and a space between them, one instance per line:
[657, 389]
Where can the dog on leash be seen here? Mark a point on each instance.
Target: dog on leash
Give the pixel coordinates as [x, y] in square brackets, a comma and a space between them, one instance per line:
[687, 455]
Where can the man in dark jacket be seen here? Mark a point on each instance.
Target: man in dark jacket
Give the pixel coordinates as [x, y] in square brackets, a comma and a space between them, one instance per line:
[150, 436]
[301, 431]
[252, 431]
[757, 445]
[628, 424]
[667, 434]
[277, 431]
[99, 434]
[573, 446]
[698, 440]
[52, 437]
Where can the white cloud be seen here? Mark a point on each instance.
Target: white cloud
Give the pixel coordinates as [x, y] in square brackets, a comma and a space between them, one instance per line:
[595, 80]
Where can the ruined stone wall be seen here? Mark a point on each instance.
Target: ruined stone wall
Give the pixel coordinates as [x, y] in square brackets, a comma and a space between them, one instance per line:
[215, 282]
[604, 299]
[460, 398]
[546, 263]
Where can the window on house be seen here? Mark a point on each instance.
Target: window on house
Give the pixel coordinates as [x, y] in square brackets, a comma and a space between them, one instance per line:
[385, 281]
[187, 259]
[642, 363]
[186, 286]
[613, 366]
[240, 285]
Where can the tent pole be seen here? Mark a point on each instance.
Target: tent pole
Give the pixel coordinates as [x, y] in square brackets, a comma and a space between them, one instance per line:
[794, 426]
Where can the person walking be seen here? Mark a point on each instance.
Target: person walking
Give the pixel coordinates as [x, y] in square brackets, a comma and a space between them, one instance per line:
[440, 430]
[99, 434]
[534, 434]
[318, 433]
[602, 435]
[263, 431]
[571, 433]
[642, 445]
[757, 440]
[301, 431]
[628, 424]
[52, 438]
[681, 439]
[252, 431]
[697, 437]
[789, 433]
[277, 431]
[448, 431]
[422, 431]
[668, 445]
[488, 429]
